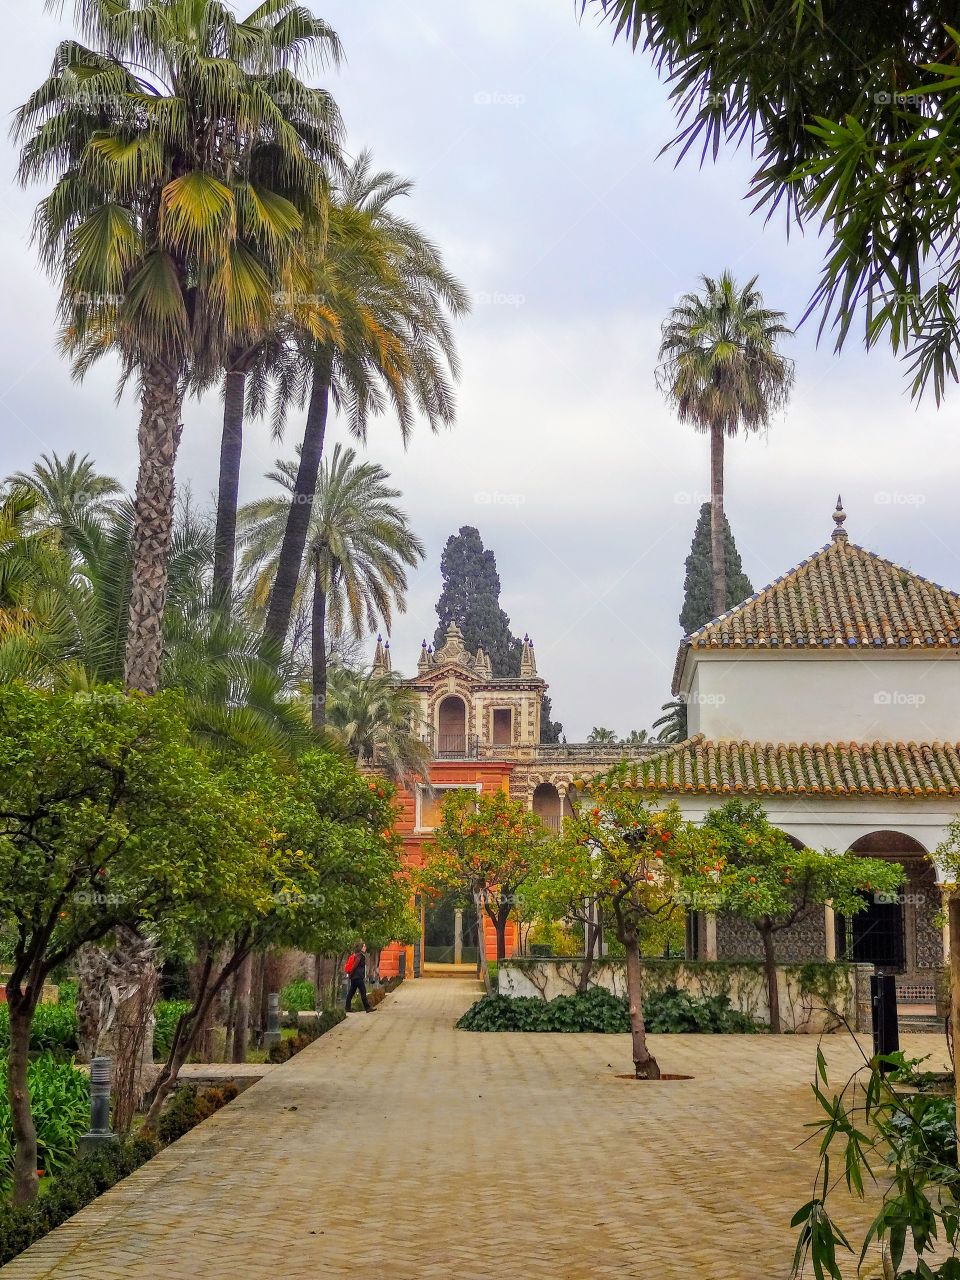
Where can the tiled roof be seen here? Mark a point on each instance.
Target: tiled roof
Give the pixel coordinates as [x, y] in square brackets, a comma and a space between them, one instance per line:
[830, 768]
[843, 597]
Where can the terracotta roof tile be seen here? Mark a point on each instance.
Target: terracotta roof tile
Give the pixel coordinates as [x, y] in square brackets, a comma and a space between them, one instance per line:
[842, 597]
[829, 768]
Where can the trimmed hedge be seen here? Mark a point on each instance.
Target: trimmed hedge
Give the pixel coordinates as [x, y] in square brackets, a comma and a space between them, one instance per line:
[167, 1013]
[54, 1029]
[81, 1182]
[600, 1010]
[285, 1049]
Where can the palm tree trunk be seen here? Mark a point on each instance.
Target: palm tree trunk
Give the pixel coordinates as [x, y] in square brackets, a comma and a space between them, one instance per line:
[228, 495]
[318, 645]
[717, 548]
[301, 505]
[161, 400]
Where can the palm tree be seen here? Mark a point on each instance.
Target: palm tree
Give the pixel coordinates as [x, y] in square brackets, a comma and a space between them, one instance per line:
[636, 738]
[375, 717]
[65, 487]
[602, 737]
[188, 160]
[721, 370]
[673, 723]
[383, 289]
[359, 545]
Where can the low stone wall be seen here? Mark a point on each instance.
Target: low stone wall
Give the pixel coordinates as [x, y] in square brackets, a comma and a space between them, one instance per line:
[814, 997]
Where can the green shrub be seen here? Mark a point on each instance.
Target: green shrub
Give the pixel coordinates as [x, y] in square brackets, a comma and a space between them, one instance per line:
[73, 1188]
[327, 1019]
[60, 1100]
[299, 996]
[54, 1029]
[599, 1010]
[189, 1106]
[167, 1014]
[673, 1010]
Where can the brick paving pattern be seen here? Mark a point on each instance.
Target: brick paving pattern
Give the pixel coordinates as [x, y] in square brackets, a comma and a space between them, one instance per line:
[398, 1147]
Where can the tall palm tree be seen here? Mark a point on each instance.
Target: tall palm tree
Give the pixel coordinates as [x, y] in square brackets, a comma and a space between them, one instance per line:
[375, 717]
[359, 546]
[383, 288]
[601, 736]
[187, 160]
[721, 370]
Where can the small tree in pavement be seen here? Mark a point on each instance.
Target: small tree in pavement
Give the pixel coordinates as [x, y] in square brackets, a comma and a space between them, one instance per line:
[775, 886]
[643, 864]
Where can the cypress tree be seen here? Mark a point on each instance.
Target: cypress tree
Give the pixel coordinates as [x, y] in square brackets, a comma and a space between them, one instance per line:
[698, 583]
[471, 598]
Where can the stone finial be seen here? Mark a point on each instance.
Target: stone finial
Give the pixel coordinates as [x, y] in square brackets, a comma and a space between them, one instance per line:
[482, 664]
[424, 662]
[839, 534]
[528, 660]
[387, 656]
[453, 649]
[380, 666]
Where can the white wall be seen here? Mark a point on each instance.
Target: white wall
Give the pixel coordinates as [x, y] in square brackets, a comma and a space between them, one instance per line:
[849, 697]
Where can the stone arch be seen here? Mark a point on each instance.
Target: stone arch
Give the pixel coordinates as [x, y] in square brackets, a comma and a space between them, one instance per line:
[547, 804]
[451, 725]
[898, 932]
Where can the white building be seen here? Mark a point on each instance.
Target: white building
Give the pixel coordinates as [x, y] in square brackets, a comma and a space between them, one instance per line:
[833, 696]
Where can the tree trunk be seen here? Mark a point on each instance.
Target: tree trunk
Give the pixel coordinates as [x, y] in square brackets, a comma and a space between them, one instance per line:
[241, 1026]
[500, 918]
[301, 506]
[318, 653]
[161, 400]
[186, 1035]
[25, 1181]
[228, 493]
[770, 970]
[644, 1063]
[717, 544]
[590, 935]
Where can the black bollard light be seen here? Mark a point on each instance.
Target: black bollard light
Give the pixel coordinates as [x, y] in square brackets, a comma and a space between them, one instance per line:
[101, 1076]
[272, 1033]
[886, 1028]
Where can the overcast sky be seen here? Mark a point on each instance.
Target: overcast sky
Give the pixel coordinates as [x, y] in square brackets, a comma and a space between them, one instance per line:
[533, 144]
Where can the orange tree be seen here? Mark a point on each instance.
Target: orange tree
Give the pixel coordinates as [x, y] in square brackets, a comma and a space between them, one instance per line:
[775, 886]
[643, 864]
[486, 847]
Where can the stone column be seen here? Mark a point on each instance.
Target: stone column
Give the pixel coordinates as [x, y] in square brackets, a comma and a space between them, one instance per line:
[458, 936]
[830, 930]
[710, 940]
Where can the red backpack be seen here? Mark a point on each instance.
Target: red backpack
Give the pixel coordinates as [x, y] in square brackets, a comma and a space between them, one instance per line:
[351, 964]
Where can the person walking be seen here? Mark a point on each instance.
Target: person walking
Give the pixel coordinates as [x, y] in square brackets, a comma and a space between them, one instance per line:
[356, 971]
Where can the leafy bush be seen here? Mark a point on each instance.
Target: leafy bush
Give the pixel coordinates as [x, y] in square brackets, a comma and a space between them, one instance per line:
[327, 1019]
[599, 1010]
[167, 1014]
[60, 1099]
[299, 996]
[673, 1010]
[73, 1188]
[189, 1105]
[54, 1029]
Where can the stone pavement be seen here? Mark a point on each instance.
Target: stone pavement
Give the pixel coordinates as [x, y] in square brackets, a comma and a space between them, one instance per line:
[398, 1147]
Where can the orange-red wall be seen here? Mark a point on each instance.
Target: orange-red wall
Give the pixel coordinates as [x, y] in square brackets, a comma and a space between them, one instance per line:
[492, 775]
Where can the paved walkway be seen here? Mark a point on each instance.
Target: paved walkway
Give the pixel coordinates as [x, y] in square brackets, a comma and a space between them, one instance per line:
[397, 1147]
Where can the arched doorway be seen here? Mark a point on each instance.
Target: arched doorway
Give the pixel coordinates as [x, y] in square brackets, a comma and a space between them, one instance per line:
[897, 933]
[547, 806]
[451, 728]
[450, 932]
